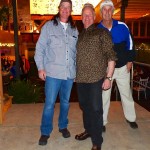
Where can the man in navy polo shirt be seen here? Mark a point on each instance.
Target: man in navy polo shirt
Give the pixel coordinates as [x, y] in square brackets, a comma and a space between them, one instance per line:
[123, 46]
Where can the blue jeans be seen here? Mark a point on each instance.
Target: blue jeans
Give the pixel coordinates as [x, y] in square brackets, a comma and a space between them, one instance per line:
[53, 87]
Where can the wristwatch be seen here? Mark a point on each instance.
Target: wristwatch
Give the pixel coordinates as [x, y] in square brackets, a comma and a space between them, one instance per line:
[109, 78]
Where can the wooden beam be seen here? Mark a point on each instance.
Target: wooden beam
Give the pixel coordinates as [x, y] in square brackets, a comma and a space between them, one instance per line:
[40, 26]
[49, 17]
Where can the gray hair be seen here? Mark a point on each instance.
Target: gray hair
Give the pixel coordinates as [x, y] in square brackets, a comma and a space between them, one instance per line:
[88, 5]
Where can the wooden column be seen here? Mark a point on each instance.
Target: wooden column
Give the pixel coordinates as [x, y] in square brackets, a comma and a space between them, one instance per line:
[124, 4]
[15, 19]
[1, 94]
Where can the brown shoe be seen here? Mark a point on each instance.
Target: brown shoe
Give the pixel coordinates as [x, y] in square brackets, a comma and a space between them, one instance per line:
[82, 136]
[95, 147]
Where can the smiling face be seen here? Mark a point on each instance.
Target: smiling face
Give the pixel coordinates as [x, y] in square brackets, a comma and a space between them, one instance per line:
[88, 16]
[65, 9]
[107, 13]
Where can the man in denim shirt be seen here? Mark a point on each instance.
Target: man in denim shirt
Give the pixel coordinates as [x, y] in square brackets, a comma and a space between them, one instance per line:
[55, 58]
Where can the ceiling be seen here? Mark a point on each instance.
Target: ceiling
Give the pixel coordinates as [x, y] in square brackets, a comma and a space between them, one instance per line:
[136, 9]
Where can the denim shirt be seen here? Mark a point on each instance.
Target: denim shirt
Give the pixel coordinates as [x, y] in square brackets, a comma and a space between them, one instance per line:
[56, 51]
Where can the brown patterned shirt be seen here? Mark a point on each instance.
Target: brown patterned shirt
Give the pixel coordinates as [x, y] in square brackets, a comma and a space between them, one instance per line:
[94, 50]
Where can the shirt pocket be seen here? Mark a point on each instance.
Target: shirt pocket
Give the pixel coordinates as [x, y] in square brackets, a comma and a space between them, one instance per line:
[55, 39]
[73, 41]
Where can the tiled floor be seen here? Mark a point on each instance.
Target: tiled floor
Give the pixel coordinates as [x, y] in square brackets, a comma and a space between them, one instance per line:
[20, 130]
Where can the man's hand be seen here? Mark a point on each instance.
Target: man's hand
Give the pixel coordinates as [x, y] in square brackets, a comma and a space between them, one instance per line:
[106, 84]
[110, 70]
[42, 74]
[129, 66]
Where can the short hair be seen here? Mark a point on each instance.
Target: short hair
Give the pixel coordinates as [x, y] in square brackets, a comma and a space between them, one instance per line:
[89, 5]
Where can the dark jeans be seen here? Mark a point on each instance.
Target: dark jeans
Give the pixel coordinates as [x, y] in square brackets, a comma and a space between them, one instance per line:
[90, 100]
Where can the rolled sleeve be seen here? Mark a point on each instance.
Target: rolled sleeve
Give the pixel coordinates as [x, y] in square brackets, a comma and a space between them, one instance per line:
[110, 54]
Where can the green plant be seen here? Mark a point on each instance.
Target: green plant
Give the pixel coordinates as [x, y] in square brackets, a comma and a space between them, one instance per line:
[5, 14]
[24, 92]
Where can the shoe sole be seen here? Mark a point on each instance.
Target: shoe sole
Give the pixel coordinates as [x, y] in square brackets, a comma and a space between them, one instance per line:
[82, 137]
[42, 143]
[67, 136]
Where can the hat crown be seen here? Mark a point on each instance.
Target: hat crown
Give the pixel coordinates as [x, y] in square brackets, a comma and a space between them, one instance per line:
[106, 3]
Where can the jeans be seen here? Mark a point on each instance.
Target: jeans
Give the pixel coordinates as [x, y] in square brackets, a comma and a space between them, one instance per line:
[53, 87]
[90, 100]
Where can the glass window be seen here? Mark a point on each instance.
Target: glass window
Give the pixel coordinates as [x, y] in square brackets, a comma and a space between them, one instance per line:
[148, 28]
[135, 28]
[142, 28]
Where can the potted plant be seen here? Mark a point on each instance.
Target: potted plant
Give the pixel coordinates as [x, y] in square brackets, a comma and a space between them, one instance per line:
[24, 92]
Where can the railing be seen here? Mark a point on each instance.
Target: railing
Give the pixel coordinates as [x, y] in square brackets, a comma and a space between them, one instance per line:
[132, 73]
[132, 78]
